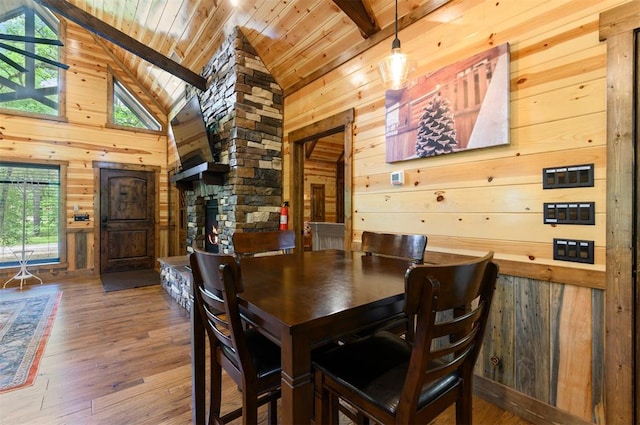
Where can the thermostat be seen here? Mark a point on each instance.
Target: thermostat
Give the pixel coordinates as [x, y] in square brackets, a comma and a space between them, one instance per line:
[397, 178]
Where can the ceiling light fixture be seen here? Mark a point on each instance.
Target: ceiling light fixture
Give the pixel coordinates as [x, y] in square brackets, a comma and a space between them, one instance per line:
[394, 69]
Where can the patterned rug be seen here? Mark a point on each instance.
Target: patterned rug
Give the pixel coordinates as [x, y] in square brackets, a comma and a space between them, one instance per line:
[25, 323]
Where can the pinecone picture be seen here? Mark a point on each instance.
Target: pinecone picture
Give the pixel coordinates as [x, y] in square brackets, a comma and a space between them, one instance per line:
[436, 129]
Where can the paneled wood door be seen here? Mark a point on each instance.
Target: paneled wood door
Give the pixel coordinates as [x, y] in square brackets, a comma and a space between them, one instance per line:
[317, 202]
[127, 211]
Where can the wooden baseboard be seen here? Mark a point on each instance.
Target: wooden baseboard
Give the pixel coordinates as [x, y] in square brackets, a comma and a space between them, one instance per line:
[522, 405]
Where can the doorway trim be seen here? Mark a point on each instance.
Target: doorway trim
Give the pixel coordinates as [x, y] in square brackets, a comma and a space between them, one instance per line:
[341, 122]
[618, 28]
[97, 166]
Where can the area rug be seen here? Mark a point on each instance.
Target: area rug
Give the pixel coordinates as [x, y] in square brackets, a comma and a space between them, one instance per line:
[130, 279]
[25, 323]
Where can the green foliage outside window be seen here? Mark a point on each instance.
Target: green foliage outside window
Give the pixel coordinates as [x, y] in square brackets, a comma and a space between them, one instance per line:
[29, 211]
[129, 112]
[122, 115]
[36, 90]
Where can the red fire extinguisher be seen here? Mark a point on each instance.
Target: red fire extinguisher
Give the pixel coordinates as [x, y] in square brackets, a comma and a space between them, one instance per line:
[284, 216]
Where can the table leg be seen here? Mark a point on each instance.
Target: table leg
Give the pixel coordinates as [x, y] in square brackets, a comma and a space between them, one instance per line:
[297, 380]
[198, 367]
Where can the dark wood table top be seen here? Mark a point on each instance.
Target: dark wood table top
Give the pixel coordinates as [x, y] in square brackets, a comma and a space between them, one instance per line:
[299, 288]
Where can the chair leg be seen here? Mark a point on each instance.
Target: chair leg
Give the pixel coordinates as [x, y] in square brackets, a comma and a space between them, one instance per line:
[273, 412]
[249, 407]
[362, 419]
[463, 404]
[334, 409]
[321, 399]
[215, 392]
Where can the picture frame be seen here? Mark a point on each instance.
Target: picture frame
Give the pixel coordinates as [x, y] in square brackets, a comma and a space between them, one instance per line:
[460, 107]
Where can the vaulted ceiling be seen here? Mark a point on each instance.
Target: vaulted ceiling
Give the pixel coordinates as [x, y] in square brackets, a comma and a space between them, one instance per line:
[167, 42]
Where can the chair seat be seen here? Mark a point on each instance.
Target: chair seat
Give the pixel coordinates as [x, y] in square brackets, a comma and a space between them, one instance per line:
[376, 367]
[264, 353]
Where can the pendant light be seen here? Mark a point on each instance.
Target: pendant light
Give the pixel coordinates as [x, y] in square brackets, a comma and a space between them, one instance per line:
[395, 68]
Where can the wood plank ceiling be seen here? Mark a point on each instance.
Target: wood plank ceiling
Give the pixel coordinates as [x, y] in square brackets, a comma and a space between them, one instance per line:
[298, 40]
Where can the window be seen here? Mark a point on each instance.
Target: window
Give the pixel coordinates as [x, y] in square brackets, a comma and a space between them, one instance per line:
[29, 61]
[29, 213]
[127, 111]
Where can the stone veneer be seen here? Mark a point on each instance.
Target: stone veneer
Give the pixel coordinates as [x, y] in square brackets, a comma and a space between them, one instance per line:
[242, 107]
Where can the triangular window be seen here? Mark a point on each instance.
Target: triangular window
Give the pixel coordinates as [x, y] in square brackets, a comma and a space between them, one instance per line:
[129, 112]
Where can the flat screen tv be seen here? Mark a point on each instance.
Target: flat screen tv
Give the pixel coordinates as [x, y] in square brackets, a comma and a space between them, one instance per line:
[190, 134]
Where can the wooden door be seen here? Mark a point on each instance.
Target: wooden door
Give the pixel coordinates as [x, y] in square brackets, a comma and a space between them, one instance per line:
[339, 123]
[127, 210]
[317, 202]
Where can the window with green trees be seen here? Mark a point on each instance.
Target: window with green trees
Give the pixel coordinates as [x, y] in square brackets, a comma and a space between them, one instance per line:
[129, 112]
[29, 54]
[29, 213]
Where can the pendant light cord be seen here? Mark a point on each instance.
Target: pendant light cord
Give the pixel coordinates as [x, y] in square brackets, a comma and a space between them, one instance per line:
[396, 41]
[396, 18]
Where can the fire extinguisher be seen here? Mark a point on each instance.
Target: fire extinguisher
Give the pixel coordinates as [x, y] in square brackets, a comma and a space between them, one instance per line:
[284, 216]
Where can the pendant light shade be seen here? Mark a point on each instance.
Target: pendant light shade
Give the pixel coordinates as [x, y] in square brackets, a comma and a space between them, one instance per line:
[395, 68]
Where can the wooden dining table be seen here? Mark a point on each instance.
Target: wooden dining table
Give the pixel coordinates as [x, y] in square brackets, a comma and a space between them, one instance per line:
[302, 301]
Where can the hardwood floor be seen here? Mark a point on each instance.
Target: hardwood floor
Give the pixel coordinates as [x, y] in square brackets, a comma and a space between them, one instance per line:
[124, 358]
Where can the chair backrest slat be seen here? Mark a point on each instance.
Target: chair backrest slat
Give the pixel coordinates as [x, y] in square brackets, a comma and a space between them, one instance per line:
[252, 243]
[454, 324]
[411, 247]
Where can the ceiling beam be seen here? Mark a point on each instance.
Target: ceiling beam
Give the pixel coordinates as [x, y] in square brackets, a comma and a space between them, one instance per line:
[364, 45]
[360, 13]
[309, 147]
[106, 31]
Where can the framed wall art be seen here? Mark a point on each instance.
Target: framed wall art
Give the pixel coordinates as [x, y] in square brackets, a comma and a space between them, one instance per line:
[459, 107]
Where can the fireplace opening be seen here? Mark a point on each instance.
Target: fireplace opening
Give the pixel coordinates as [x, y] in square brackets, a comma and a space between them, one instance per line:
[211, 237]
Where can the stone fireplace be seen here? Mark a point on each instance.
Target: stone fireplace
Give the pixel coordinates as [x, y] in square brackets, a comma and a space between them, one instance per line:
[242, 108]
[211, 224]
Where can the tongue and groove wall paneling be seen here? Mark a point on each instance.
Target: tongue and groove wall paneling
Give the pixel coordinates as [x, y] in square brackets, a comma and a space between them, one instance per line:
[84, 137]
[546, 332]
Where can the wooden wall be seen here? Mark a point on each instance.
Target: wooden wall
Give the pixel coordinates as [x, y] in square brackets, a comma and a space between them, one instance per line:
[546, 330]
[82, 139]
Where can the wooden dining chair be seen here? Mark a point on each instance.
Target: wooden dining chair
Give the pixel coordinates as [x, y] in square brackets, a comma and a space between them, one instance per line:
[411, 247]
[390, 380]
[402, 246]
[247, 356]
[256, 243]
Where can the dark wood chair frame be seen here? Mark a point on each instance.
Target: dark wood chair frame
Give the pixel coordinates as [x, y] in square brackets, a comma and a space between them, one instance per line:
[216, 283]
[252, 243]
[411, 247]
[451, 304]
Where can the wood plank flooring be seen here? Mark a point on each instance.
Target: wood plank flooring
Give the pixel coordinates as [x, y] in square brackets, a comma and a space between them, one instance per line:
[124, 358]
